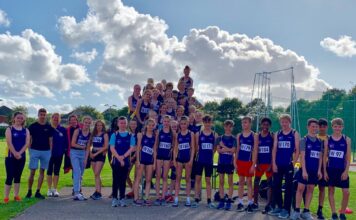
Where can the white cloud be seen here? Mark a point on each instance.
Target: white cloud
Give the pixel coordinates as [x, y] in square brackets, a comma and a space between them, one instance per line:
[4, 20]
[75, 95]
[85, 57]
[23, 89]
[29, 62]
[33, 107]
[136, 46]
[96, 94]
[342, 47]
[63, 108]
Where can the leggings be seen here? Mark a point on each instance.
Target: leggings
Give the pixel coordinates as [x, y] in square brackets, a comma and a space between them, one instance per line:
[285, 172]
[119, 176]
[14, 169]
[54, 166]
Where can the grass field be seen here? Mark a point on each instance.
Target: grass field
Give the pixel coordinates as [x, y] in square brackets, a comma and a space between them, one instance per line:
[12, 209]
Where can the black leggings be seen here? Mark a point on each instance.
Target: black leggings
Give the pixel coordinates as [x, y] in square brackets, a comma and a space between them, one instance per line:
[54, 165]
[14, 169]
[285, 172]
[119, 176]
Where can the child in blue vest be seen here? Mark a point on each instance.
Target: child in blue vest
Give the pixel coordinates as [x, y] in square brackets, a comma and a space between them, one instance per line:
[146, 160]
[310, 171]
[246, 160]
[227, 151]
[122, 143]
[164, 139]
[205, 149]
[183, 158]
[323, 136]
[337, 157]
[264, 163]
[79, 155]
[285, 154]
[99, 145]
[18, 140]
[143, 107]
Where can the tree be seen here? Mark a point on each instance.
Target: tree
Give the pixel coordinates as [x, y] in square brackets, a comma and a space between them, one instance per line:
[29, 121]
[334, 94]
[229, 108]
[211, 108]
[123, 111]
[353, 90]
[109, 114]
[87, 110]
[21, 108]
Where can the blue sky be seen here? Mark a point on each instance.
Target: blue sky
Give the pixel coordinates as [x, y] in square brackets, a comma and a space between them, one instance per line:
[298, 26]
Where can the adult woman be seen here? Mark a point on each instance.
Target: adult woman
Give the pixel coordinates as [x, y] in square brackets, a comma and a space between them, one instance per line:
[59, 146]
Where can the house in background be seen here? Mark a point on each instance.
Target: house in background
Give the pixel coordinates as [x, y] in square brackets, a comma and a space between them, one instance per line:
[5, 114]
[65, 117]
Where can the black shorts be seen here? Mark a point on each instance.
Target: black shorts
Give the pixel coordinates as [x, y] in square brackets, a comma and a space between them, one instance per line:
[335, 178]
[194, 170]
[226, 168]
[322, 182]
[173, 173]
[146, 163]
[208, 169]
[99, 157]
[312, 178]
[180, 160]
[54, 166]
[161, 157]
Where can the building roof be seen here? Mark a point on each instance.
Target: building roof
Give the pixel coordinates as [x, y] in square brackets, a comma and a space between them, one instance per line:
[4, 110]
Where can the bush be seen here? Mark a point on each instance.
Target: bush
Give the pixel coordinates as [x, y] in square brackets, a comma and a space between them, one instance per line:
[2, 132]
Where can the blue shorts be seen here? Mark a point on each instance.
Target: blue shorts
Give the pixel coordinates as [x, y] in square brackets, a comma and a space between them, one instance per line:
[42, 156]
[312, 178]
[335, 178]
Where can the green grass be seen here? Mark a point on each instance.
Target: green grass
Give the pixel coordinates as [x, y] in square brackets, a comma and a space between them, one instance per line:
[13, 209]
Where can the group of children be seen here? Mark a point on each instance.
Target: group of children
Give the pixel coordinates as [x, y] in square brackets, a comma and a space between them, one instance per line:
[324, 161]
[165, 133]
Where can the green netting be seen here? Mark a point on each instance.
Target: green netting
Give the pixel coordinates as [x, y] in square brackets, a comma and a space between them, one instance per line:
[327, 108]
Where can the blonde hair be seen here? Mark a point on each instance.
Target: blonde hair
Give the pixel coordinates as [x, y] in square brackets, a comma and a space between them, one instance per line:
[337, 121]
[180, 107]
[192, 109]
[16, 114]
[286, 116]
[150, 81]
[146, 124]
[248, 118]
[87, 117]
[59, 118]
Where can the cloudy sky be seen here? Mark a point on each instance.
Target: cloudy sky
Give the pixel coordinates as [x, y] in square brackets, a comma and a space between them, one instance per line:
[61, 54]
